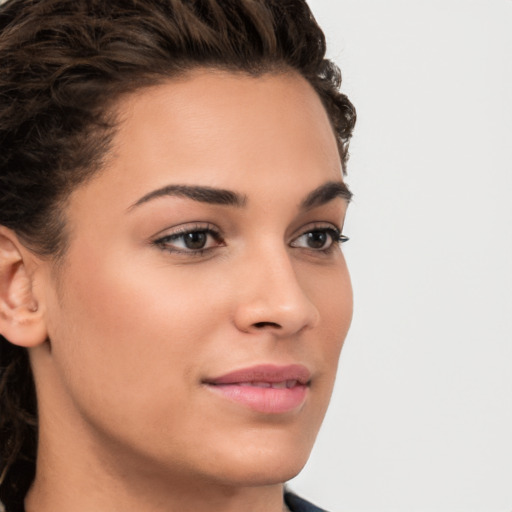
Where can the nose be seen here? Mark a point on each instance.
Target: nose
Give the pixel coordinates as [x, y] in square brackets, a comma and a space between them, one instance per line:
[271, 297]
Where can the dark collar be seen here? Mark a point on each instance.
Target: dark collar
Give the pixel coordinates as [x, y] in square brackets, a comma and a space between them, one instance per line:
[296, 504]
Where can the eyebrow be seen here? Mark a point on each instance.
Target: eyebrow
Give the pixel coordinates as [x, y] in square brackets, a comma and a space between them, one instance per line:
[321, 195]
[197, 193]
[326, 193]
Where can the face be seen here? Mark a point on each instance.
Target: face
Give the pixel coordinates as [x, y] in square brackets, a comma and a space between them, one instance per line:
[197, 319]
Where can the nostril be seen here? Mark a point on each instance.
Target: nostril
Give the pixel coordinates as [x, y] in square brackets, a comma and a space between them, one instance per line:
[261, 325]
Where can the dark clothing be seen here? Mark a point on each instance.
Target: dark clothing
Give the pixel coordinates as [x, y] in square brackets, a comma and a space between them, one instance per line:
[296, 504]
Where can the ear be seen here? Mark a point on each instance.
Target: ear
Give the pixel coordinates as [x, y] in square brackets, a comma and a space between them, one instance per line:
[21, 317]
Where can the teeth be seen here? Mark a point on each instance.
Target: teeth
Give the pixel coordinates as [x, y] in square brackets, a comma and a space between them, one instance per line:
[262, 384]
[285, 384]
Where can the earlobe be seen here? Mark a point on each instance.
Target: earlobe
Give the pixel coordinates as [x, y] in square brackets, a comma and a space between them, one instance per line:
[21, 317]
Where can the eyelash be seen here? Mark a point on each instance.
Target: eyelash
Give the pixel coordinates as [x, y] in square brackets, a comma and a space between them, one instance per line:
[336, 238]
[164, 242]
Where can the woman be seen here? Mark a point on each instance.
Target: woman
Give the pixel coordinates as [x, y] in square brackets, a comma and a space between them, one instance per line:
[172, 286]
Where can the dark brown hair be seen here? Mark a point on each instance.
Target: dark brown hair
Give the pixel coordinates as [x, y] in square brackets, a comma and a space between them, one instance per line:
[63, 65]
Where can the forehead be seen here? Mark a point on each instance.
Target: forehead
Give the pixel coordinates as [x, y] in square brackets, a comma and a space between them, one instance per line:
[252, 135]
[242, 120]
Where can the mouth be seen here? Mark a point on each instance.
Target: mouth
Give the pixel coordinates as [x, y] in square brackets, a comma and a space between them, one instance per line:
[285, 384]
[267, 389]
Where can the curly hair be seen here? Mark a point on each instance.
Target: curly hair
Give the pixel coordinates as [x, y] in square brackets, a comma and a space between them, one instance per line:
[63, 66]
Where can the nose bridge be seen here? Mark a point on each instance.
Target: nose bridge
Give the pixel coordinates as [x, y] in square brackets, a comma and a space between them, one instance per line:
[272, 296]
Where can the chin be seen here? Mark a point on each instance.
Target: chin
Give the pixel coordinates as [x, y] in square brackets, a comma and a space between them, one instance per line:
[263, 465]
[273, 476]
[256, 476]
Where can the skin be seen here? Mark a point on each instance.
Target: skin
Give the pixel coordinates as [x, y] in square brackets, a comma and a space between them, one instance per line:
[133, 327]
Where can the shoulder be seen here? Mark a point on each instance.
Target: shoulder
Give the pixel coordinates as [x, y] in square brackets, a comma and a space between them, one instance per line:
[297, 504]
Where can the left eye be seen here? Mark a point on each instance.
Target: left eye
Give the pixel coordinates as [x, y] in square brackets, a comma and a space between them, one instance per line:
[319, 239]
[190, 241]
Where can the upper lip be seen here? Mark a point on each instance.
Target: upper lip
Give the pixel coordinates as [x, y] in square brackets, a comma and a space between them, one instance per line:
[265, 373]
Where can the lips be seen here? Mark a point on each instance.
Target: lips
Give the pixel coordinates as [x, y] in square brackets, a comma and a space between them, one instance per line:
[267, 389]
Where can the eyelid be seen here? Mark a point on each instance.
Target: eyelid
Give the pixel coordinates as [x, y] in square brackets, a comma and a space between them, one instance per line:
[185, 228]
[316, 226]
[162, 239]
[333, 230]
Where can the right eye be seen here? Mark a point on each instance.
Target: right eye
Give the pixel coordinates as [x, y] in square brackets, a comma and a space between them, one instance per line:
[190, 241]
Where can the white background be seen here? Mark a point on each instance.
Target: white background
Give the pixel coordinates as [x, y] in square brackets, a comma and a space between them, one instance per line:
[421, 419]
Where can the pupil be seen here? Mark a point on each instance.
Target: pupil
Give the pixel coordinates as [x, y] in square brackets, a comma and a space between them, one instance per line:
[317, 239]
[195, 240]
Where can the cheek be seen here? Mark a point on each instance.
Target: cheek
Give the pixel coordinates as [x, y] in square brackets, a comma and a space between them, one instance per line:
[330, 289]
[129, 326]
[332, 295]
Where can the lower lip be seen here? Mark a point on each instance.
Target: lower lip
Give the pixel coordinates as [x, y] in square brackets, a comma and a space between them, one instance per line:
[264, 400]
